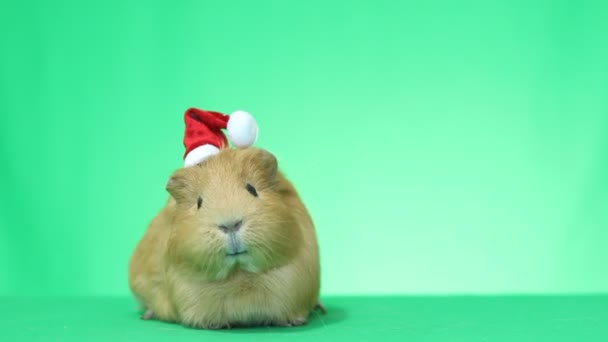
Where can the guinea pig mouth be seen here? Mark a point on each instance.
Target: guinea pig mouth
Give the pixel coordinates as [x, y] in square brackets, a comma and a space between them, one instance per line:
[234, 245]
[234, 254]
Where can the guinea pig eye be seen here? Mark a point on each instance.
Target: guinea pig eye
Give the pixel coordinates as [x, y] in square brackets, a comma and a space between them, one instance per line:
[252, 190]
[199, 202]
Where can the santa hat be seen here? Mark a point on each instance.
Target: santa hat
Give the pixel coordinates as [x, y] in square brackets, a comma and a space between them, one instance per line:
[204, 137]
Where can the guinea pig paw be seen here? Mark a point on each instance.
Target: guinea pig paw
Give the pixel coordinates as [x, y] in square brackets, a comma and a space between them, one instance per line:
[149, 314]
[295, 322]
[214, 326]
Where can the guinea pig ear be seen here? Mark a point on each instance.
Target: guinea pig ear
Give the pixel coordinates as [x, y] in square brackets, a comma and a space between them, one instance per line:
[180, 184]
[265, 162]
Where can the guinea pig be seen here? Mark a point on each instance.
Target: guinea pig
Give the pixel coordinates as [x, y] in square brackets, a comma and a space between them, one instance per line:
[233, 246]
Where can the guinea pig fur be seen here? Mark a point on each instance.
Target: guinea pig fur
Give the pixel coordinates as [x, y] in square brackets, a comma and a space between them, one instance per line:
[233, 246]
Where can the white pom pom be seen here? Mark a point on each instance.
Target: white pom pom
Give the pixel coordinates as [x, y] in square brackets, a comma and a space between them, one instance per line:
[242, 129]
[199, 154]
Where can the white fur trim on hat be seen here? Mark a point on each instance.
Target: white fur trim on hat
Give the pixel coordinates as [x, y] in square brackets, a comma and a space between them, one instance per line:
[242, 129]
[198, 154]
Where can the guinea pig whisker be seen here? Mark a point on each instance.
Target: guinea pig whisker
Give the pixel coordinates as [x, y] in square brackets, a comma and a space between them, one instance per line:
[275, 222]
[278, 237]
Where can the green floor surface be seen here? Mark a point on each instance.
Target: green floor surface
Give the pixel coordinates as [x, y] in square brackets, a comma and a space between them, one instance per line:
[467, 318]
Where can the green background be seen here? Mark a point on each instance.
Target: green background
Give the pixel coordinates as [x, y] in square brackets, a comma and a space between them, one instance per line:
[441, 146]
[359, 318]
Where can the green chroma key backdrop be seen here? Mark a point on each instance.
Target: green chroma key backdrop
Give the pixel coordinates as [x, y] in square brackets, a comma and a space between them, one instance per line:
[441, 146]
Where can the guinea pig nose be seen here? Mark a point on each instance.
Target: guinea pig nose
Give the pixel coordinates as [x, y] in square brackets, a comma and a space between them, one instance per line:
[231, 226]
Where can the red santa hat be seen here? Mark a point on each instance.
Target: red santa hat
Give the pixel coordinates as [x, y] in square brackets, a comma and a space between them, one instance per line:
[204, 137]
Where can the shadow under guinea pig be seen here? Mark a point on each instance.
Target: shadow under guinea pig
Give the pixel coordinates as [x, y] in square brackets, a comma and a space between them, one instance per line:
[316, 320]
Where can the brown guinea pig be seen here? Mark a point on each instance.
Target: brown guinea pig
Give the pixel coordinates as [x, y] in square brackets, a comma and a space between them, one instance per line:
[233, 246]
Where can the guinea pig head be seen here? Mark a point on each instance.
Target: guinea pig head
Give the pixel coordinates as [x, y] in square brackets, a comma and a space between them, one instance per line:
[232, 213]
